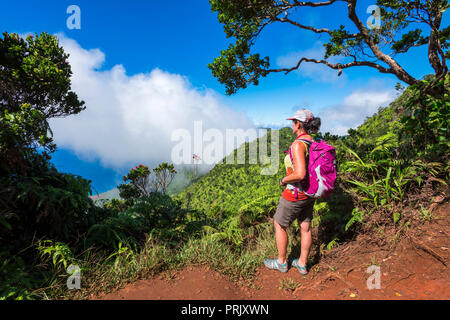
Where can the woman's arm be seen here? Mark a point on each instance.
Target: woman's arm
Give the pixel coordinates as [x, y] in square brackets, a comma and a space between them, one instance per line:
[298, 153]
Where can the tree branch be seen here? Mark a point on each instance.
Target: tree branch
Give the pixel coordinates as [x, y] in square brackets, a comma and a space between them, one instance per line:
[394, 66]
[287, 5]
[434, 46]
[336, 66]
[314, 4]
[321, 30]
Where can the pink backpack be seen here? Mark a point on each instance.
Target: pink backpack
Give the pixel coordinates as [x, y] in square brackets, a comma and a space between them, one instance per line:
[322, 170]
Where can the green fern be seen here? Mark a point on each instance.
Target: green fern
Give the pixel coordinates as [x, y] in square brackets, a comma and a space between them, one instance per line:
[57, 252]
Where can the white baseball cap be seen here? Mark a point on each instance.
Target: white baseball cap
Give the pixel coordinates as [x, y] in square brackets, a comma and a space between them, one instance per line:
[304, 115]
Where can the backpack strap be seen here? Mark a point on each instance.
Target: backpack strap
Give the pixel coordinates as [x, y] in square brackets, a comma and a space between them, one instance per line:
[308, 143]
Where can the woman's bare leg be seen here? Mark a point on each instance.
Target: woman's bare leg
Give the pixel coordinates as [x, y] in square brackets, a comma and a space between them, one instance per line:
[306, 240]
[282, 241]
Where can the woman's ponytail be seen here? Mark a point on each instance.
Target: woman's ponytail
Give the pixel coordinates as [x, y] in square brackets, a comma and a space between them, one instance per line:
[312, 126]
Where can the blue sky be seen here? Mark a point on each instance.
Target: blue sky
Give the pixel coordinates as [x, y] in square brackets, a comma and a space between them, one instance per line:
[128, 40]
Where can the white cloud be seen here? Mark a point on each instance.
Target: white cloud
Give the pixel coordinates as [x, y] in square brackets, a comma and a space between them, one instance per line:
[315, 71]
[130, 119]
[352, 112]
[355, 107]
[273, 125]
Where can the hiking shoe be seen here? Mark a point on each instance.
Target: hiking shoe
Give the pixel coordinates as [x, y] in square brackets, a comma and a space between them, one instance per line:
[275, 265]
[301, 269]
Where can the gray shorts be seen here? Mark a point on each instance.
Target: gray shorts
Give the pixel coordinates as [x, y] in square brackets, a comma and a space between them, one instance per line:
[288, 211]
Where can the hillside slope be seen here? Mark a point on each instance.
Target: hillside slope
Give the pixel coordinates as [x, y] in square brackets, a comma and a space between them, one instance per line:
[229, 187]
[378, 216]
[417, 268]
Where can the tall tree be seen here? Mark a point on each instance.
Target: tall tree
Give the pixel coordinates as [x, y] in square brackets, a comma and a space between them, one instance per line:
[35, 199]
[34, 86]
[374, 46]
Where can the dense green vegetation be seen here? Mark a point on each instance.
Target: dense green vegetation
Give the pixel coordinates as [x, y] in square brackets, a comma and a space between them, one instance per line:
[48, 222]
[375, 46]
[229, 187]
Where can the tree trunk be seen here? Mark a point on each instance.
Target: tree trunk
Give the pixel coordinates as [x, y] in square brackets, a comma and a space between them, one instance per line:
[398, 70]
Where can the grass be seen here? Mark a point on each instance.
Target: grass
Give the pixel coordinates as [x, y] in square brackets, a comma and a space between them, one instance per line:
[289, 285]
[316, 269]
[403, 228]
[332, 268]
[373, 262]
[101, 273]
[425, 214]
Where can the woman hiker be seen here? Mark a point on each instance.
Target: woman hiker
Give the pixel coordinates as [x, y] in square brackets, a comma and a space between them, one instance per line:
[294, 204]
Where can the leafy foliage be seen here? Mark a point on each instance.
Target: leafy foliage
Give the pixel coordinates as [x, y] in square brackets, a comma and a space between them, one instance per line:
[49, 203]
[425, 120]
[34, 86]
[142, 183]
[377, 168]
[36, 199]
[16, 280]
[139, 185]
[164, 175]
[236, 66]
[59, 253]
[399, 149]
[374, 47]
[229, 187]
[48, 221]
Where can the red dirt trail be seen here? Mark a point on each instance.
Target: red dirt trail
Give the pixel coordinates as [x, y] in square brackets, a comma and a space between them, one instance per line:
[416, 269]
